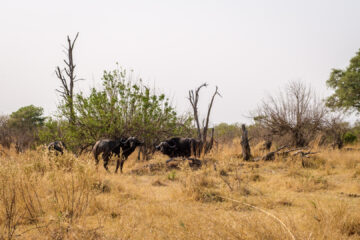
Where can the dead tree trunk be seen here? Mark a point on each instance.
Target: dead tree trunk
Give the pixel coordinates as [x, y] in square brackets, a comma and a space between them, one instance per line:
[209, 145]
[194, 99]
[271, 155]
[206, 126]
[245, 144]
[202, 133]
[68, 79]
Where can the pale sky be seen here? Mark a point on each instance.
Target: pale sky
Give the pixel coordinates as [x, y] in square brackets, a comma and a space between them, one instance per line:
[247, 48]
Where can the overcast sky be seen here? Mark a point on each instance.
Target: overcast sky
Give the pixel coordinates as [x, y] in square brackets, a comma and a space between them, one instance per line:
[247, 48]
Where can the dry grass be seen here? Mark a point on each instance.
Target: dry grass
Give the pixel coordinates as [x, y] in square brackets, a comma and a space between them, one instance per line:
[64, 197]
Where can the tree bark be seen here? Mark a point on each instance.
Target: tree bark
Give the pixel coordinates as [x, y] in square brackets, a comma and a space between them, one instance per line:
[245, 143]
[204, 135]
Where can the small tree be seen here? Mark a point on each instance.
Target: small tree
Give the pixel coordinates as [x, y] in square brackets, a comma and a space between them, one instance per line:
[27, 118]
[122, 108]
[24, 125]
[346, 84]
[296, 112]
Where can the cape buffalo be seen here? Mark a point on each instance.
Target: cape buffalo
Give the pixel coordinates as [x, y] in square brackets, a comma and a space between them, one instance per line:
[115, 146]
[58, 146]
[185, 147]
[179, 147]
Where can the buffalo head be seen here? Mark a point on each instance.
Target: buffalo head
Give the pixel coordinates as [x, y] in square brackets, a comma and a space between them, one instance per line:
[165, 148]
[133, 142]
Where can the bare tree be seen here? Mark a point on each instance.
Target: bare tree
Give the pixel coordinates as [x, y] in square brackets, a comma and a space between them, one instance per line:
[194, 99]
[68, 79]
[296, 112]
[202, 131]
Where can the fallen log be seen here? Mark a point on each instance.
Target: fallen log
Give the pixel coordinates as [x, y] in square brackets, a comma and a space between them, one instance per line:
[298, 151]
[286, 153]
[271, 155]
[304, 154]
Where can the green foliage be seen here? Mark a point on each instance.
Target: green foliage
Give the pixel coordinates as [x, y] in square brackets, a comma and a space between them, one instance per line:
[227, 132]
[123, 107]
[51, 131]
[346, 84]
[172, 175]
[24, 125]
[349, 138]
[27, 118]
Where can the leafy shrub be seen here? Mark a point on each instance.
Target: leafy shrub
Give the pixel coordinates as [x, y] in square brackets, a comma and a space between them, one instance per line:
[122, 107]
[349, 138]
[227, 132]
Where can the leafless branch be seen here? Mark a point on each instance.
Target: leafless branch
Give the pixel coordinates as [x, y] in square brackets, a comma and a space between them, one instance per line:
[68, 79]
[296, 111]
[208, 113]
[194, 99]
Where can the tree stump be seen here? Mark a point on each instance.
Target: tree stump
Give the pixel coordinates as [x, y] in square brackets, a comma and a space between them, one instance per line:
[245, 143]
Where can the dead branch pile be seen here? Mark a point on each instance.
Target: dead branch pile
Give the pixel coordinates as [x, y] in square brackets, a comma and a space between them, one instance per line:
[300, 151]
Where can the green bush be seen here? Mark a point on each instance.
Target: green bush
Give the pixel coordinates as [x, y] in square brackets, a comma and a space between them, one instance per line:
[23, 126]
[227, 132]
[349, 138]
[122, 107]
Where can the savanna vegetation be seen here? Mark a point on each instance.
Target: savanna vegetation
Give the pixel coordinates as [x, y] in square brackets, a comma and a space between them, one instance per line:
[291, 174]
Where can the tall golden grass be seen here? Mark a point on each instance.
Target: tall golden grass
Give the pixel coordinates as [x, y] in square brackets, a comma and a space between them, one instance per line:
[44, 196]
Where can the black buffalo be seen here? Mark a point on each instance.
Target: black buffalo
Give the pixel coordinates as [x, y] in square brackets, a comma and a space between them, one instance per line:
[58, 146]
[108, 147]
[185, 147]
[180, 147]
